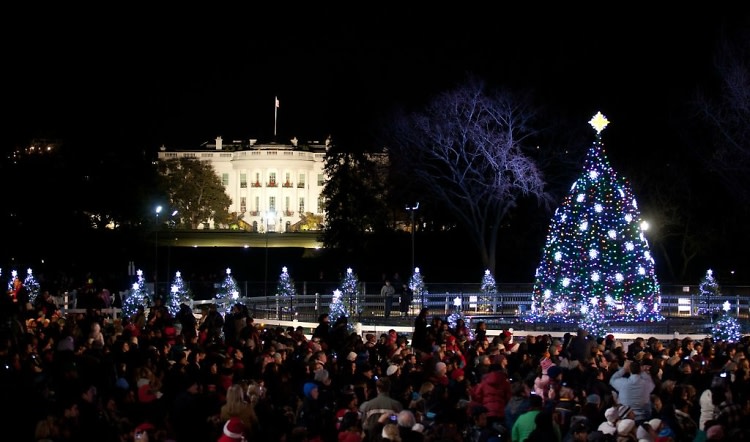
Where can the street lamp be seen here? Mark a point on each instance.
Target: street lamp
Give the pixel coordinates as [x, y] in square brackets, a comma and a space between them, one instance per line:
[169, 243]
[156, 252]
[412, 210]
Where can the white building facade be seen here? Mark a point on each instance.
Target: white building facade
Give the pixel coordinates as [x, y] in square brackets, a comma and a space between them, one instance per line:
[270, 185]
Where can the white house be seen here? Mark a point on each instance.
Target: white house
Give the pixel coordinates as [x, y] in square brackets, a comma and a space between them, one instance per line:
[270, 184]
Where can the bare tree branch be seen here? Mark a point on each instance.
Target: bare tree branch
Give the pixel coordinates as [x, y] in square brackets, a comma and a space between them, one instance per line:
[466, 150]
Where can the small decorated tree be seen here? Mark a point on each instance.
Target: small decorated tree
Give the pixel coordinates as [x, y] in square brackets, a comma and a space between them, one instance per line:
[32, 285]
[228, 292]
[727, 328]
[416, 284]
[489, 292]
[337, 309]
[708, 294]
[13, 275]
[178, 294]
[350, 292]
[285, 292]
[138, 296]
[593, 318]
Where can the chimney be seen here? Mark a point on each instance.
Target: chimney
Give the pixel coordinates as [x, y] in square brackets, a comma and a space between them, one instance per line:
[218, 143]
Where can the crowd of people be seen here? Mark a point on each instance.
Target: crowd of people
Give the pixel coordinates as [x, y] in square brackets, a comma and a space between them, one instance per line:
[223, 376]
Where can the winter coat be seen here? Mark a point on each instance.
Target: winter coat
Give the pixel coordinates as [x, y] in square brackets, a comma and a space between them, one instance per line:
[493, 393]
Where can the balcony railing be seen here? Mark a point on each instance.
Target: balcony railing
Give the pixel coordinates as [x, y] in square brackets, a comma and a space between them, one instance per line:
[287, 184]
[256, 184]
[254, 213]
[288, 212]
[272, 184]
[300, 185]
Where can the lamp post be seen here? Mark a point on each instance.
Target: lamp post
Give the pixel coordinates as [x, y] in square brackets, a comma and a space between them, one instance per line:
[169, 247]
[156, 252]
[265, 274]
[412, 209]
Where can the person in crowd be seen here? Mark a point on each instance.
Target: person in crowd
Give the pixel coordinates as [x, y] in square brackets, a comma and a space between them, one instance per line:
[634, 390]
[382, 403]
[388, 293]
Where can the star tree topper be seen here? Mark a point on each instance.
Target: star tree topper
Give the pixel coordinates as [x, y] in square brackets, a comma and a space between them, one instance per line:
[599, 122]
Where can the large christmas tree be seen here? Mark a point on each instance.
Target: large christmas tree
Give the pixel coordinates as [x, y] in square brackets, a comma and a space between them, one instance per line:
[596, 263]
[285, 292]
[178, 294]
[228, 292]
[138, 296]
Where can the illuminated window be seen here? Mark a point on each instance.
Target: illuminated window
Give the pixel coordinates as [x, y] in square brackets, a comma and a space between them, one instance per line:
[243, 180]
[224, 179]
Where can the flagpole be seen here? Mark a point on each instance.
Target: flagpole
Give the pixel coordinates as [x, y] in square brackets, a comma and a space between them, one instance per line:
[275, 115]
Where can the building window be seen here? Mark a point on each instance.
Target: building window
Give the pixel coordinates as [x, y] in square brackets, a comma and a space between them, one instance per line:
[287, 179]
[321, 204]
[243, 181]
[301, 181]
[256, 183]
[272, 203]
[256, 207]
[321, 180]
[272, 179]
[302, 204]
[243, 204]
[224, 179]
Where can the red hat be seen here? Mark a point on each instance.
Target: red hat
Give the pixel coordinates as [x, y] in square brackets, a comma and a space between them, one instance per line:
[457, 373]
[144, 427]
[233, 431]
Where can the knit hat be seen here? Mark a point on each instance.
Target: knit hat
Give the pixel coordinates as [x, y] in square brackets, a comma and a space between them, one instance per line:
[593, 399]
[308, 388]
[233, 430]
[611, 414]
[392, 369]
[321, 375]
[625, 426]
[351, 357]
[457, 373]
[623, 411]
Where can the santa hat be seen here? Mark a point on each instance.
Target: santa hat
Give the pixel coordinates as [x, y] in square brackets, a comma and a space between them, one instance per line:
[233, 431]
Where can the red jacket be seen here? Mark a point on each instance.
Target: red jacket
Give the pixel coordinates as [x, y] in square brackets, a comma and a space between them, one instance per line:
[493, 392]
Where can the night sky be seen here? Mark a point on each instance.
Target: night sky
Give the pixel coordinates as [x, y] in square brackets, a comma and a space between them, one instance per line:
[133, 80]
[137, 79]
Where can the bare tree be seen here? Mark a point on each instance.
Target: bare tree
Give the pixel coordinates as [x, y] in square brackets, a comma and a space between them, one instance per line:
[466, 150]
[729, 115]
